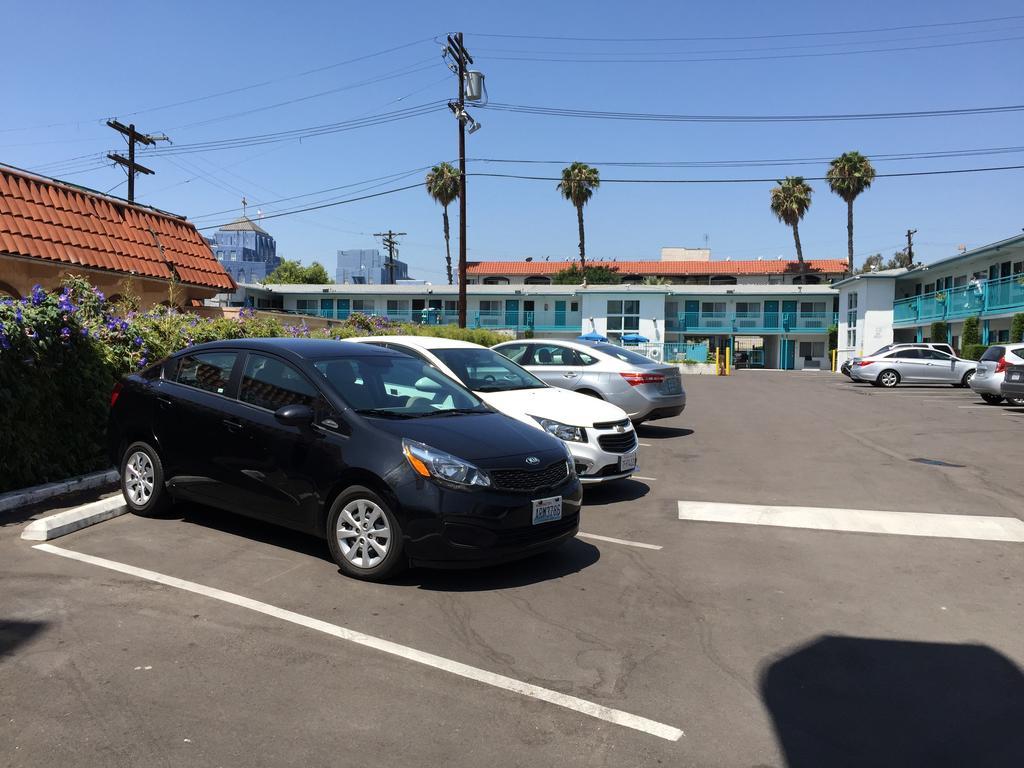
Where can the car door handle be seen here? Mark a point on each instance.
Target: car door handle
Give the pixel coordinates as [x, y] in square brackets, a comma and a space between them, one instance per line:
[165, 402]
[569, 375]
[233, 426]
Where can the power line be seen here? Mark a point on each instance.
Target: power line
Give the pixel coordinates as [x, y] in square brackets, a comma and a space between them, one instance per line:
[749, 37]
[227, 92]
[678, 118]
[753, 181]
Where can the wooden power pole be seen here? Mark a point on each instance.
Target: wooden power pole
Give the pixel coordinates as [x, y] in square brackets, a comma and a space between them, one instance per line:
[392, 246]
[133, 167]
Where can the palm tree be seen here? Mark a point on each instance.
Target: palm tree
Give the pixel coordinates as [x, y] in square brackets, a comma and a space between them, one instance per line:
[849, 175]
[443, 186]
[790, 201]
[577, 186]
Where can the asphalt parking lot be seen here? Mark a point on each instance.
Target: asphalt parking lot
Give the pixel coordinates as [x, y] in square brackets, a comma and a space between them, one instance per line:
[684, 642]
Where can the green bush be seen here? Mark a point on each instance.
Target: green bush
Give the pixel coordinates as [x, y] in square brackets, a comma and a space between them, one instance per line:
[940, 331]
[1017, 327]
[971, 333]
[972, 351]
[62, 351]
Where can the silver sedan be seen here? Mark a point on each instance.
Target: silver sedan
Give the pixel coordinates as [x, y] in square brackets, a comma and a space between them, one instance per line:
[645, 389]
[913, 365]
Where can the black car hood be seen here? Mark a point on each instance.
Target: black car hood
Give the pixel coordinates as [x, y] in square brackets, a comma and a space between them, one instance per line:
[482, 437]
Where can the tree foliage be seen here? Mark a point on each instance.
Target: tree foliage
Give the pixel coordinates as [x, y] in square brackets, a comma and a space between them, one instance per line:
[594, 276]
[443, 187]
[790, 200]
[1017, 327]
[293, 273]
[578, 183]
[971, 333]
[848, 176]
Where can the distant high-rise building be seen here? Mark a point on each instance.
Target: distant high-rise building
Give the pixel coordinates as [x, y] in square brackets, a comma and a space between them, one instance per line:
[247, 251]
[367, 266]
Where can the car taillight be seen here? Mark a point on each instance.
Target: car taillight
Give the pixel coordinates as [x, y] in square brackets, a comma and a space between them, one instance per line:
[635, 379]
[862, 363]
[1002, 365]
[115, 393]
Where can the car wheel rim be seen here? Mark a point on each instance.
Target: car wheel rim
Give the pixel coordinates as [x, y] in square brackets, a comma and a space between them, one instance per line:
[363, 533]
[888, 379]
[138, 482]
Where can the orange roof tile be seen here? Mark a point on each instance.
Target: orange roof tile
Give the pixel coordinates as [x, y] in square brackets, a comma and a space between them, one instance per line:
[720, 267]
[47, 219]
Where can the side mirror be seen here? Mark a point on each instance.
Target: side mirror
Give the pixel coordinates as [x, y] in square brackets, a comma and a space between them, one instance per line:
[295, 415]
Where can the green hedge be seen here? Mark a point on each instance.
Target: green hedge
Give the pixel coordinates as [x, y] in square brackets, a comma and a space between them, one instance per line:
[62, 351]
[972, 351]
[1017, 327]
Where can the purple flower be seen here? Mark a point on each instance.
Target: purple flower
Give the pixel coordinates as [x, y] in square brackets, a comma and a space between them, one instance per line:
[64, 302]
[137, 341]
[38, 295]
[85, 332]
[17, 315]
[98, 294]
[65, 334]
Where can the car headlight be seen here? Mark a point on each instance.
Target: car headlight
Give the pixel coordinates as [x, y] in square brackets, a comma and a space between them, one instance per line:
[443, 467]
[562, 431]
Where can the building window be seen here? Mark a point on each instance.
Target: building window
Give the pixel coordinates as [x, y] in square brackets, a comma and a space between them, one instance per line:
[811, 349]
[397, 306]
[851, 320]
[712, 308]
[488, 306]
[307, 306]
[623, 317]
[748, 308]
[362, 305]
[574, 306]
[495, 281]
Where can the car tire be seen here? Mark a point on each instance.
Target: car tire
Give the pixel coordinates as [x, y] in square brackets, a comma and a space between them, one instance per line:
[1015, 401]
[360, 526]
[992, 399]
[888, 379]
[142, 480]
[966, 380]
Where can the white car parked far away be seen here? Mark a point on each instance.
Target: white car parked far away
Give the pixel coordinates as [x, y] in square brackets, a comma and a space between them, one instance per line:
[599, 435]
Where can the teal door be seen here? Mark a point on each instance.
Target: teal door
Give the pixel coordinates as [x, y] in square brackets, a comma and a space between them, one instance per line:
[788, 315]
[512, 313]
[560, 314]
[343, 308]
[787, 354]
[771, 314]
[326, 307]
[691, 314]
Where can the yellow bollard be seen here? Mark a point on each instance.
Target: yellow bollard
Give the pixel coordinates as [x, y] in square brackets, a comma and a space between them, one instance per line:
[834, 351]
[728, 361]
[718, 369]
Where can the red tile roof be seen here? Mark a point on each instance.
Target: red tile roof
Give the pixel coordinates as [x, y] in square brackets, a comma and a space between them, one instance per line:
[720, 267]
[46, 219]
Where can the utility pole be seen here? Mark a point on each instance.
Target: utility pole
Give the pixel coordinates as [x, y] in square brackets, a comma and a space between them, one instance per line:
[133, 136]
[392, 245]
[910, 247]
[462, 59]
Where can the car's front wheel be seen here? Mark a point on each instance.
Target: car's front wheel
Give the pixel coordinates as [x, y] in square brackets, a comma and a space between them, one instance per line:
[966, 380]
[1015, 400]
[364, 535]
[142, 480]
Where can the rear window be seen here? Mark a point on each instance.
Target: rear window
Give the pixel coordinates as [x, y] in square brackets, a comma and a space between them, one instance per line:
[993, 354]
[209, 371]
[625, 355]
[1017, 352]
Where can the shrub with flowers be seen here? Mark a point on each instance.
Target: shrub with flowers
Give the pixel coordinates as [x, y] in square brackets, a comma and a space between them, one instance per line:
[61, 351]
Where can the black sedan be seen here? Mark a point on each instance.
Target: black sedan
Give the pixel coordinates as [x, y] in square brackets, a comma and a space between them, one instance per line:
[388, 459]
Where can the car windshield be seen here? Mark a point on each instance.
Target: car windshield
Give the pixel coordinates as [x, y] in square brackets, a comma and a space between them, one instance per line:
[625, 355]
[397, 387]
[484, 370]
[880, 351]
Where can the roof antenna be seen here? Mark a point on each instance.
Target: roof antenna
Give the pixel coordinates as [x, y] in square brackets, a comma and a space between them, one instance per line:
[244, 203]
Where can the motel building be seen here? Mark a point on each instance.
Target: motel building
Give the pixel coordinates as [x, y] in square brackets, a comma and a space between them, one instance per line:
[768, 312]
[900, 305]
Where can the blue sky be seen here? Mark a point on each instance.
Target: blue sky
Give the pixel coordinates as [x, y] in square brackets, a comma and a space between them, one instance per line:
[73, 64]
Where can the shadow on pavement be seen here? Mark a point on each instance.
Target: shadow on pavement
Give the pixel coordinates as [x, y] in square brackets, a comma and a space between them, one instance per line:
[611, 493]
[571, 557]
[650, 430]
[15, 633]
[850, 701]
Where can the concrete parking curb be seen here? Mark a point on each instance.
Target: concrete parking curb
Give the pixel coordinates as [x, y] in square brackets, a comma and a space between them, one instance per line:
[62, 523]
[26, 496]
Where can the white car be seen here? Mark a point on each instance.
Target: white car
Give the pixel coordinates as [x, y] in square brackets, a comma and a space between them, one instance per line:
[599, 435]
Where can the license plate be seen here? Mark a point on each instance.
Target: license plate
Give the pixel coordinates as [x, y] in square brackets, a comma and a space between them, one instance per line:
[1014, 376]
[671, 386]
[547, 510]
[627, 462]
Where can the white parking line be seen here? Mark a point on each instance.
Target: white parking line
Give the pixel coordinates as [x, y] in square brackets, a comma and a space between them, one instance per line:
[977, 527]
[529, 690]
[628, 543]
[641, 477]
[996, 408]
[644, 445]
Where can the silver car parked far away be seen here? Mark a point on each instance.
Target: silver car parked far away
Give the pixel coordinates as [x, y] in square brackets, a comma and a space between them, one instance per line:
[645, 389]
[913, 365]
